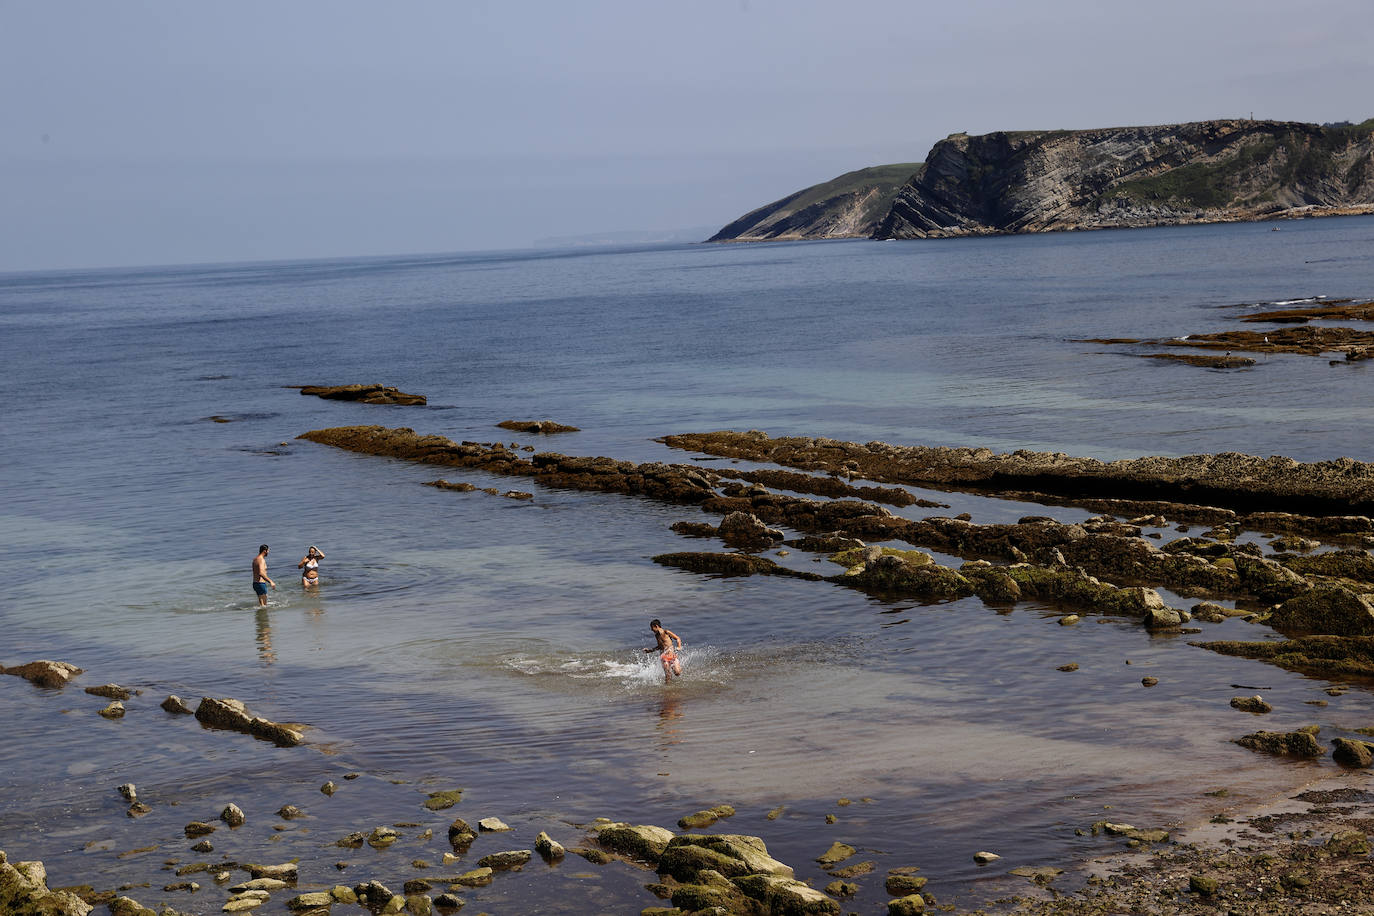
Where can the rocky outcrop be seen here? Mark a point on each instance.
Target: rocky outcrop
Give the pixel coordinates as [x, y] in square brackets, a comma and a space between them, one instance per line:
[1207, 171]
[45, 673]
[233, 715]
[1326, 656]
[24, 892]
[850, 206]
[1227, 480]
[365, 394]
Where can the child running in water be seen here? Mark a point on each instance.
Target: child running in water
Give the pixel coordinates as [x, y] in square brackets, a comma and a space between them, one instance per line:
[666, 653]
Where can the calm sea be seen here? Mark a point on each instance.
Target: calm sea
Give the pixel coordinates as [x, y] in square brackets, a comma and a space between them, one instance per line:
[467, 640]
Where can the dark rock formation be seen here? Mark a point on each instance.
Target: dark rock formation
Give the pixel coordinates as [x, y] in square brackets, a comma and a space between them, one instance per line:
[1227, 480]
[231, 714]
[1327, 656]
[1208, 171]
[1352, 753]
[366, 394]
[729, 564]
[536, 426]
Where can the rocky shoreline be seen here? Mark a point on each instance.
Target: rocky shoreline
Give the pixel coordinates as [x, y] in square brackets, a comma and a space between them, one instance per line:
[1308, 575]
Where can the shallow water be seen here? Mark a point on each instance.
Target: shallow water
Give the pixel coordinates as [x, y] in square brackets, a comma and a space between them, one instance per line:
[465, 639]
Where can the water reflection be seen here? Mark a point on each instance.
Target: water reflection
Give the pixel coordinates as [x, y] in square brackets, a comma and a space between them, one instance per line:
[668, 729]
[263, 626]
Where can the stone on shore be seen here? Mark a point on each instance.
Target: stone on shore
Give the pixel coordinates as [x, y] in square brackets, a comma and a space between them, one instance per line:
[24, 891]
[984, 858]
[309, 901]
[113, 711]
[287, 871]
[904, 885]
[198, 828]
[233, 815]
[492, 825]
[477, 877]
[45, 673]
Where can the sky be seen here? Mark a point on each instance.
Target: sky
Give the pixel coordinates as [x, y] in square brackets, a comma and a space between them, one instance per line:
[147, 132]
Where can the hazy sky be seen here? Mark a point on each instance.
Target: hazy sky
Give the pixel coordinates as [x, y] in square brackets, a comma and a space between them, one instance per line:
[168, 132]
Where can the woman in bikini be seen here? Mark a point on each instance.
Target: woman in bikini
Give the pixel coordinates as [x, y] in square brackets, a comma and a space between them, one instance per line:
[310, 567]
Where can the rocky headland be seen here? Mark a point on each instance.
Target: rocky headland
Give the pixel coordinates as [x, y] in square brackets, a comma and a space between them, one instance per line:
[1120, 177]
[850, 206]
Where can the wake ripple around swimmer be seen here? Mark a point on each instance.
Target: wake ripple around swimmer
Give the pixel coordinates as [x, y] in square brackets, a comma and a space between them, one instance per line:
[627, 670]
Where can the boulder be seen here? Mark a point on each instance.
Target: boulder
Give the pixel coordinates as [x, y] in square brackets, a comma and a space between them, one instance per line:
[287, 871]
[642, 841]
[492, 825]
[536, 426]
[1255, 704]
[310, 901]
[1352, 753]
[1326, 609]
[904, 885]
[548, 847]
[477, 877]
[732, 855]
[1302, 743]
[233, 815]
[113, 711]
[500, 861]
[24, 891]
[787, 896]
[460, 835]
[46, 673]
[713, 892]
[906, 906]
[231, 714]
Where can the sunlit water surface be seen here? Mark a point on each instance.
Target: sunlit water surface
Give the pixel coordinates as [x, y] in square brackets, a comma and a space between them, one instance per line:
[468, 640]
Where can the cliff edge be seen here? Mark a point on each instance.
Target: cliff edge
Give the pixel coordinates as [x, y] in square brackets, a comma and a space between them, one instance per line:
[1207, 171]
[1119, 177]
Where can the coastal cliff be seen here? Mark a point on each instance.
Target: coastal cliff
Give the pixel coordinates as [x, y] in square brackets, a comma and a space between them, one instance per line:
[1045, 181]
[850, 206]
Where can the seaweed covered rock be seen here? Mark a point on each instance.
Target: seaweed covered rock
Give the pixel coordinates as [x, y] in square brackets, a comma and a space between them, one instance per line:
[1352, 753]
[1301, 743]
[231, 714]
[1327, 610]
[747, 531]
[24, 892]
[729, 564]
[786, 896]
[1324, 655]
[731, 855]
[893, 573]
[638, 841]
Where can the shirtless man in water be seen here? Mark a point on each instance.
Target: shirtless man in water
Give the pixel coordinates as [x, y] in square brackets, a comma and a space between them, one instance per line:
[672, 665]
[260, 578]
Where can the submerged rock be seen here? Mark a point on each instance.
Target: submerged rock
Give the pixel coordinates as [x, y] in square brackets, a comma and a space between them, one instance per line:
[1255, 704]
[365, 394]
[113, 692]
[536, 426]
[706, 817]
[731, 855]
[638, 841]
[231, 714]
[1321, 655]
[174, 704]
[1326, 610]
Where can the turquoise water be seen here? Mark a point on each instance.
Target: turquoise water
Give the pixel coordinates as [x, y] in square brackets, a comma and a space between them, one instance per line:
[463, 639]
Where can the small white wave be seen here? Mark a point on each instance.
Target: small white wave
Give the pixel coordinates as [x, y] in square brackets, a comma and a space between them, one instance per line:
[626, 669]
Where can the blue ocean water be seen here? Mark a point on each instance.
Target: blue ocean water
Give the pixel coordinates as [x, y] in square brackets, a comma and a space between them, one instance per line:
[464, 639]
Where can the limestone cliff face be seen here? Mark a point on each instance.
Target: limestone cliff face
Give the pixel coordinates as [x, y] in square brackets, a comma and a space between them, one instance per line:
[1208, 171]
[850, 206]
